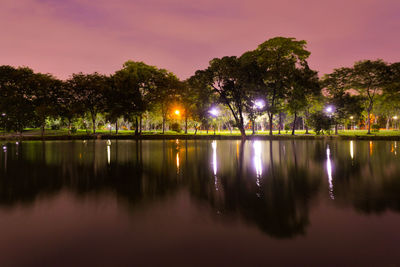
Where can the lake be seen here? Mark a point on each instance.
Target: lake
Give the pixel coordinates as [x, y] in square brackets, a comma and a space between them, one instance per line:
[200, 203]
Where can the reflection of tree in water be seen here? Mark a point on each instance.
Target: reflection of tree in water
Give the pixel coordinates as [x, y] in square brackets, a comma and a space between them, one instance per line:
[370, 181]
[278, 205]
[274, 190]
[48, 171]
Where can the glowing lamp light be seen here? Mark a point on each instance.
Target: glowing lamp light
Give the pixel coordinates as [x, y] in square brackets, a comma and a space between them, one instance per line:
[351, 117]
[214, 112]
[259, 104]
[329, 109]
[177, 112]
[395, 117]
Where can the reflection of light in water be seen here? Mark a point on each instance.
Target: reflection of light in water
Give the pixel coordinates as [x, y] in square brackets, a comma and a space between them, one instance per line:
[351, 150]
[257, 160]
[177, 161]
[109, 154]
[370, 148]
[214, 148]
[108, 142]
[177, 155]
[329, 170]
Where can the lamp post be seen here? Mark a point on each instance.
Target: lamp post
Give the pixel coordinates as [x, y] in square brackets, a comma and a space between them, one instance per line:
[258, 105]
[351, 123]
[329, 110]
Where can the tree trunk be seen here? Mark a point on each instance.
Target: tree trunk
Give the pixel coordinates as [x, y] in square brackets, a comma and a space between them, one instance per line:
[253, 126]
[242, 132]
[369, 121]
[186, 123]
[136, 126]
[305, 121]
[280, 123]
[195, 129]
[94, 123]
[336, 129]
[116, 127]
[140, 123]
[163, 124]
[69, 127]
[294, 123]
[387, 123]
[43, 129]
[271, 117]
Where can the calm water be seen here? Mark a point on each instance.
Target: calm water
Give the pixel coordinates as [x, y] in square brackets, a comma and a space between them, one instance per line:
[200, 203]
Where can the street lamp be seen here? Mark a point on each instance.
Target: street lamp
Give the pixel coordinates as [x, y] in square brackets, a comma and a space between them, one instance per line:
[214, 113]
[259, 104]
[177, 112]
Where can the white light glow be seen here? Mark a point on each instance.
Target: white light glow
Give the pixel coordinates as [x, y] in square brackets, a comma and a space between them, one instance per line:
[214, 112]
[351, 150]
[177, 161]
[257, 158]
[214, 148]
[108, 155]
[329, 170]
[259, 104]
[329, 109]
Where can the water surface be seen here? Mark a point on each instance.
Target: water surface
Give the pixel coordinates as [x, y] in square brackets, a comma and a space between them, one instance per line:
[200, 203]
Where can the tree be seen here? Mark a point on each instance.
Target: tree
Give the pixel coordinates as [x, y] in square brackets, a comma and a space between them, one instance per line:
[68, 105]
[165, 92]
[16, 100]
[369, 78]
[89, 91]
[227, 77]
[131, 86]
[203, 98]
[45, 93]
[305, 84]
[347, 104]
[277, 59]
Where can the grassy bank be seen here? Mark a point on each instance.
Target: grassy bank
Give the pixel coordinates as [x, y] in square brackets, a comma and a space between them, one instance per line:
[35, 134]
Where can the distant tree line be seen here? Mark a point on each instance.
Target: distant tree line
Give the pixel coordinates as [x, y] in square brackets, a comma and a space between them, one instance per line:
[271, 87]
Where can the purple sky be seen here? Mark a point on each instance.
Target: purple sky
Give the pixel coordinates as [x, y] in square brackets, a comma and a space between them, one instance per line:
[66, 36]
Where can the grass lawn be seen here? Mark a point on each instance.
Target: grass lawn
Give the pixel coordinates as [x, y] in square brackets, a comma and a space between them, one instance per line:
[80, 132]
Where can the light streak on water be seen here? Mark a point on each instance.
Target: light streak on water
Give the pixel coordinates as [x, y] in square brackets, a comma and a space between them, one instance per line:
[214, 163]
[329, 170]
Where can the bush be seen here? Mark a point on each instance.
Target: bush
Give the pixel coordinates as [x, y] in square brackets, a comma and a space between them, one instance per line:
[55, 127]
[321, 122]
[73, 129]
[375, 127]
[287, 128]
[176, 127]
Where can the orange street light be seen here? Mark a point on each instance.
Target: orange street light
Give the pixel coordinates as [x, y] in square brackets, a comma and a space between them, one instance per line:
[177, 112]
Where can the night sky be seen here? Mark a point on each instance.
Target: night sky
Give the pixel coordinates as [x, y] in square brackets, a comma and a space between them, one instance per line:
[66, 36]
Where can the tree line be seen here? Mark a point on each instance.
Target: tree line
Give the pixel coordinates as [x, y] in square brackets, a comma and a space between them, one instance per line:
[271, 87]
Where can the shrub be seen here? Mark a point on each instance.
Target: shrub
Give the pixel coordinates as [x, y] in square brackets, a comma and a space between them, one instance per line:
[73, 129]
[55, 127]
[321, 122]
[287, 128]
[375, 127]
[176, 127]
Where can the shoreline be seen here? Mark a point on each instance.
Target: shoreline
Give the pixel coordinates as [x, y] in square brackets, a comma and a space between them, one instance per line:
[196, 137]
